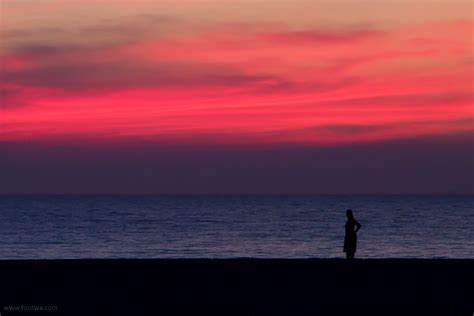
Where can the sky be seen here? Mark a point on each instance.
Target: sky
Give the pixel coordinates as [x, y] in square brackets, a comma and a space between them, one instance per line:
[240, 96]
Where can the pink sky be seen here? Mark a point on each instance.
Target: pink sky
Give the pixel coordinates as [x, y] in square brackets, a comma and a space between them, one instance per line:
[235, 72]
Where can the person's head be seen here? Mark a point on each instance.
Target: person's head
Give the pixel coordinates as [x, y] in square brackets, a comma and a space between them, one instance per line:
[349, 214]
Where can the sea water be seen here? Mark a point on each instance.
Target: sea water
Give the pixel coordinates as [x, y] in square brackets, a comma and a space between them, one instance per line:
[278, 226]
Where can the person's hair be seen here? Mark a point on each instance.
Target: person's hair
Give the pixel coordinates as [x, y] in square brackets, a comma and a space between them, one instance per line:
[349, 213]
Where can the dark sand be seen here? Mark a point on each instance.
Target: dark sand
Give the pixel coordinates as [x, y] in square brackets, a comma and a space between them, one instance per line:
[240, 286]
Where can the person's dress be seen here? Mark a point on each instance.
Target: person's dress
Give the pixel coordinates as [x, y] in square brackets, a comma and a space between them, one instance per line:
[350, 240]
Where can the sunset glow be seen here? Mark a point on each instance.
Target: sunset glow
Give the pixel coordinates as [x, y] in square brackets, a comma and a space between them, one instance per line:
[178, 73]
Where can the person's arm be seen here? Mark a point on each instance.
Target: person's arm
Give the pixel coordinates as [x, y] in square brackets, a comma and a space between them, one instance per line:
[358, 226]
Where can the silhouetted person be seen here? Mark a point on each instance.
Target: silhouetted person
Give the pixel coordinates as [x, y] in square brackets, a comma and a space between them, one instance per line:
[350, 240]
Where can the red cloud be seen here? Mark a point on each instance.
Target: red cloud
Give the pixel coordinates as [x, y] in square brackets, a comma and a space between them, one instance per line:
[243, 86]
[323, 37]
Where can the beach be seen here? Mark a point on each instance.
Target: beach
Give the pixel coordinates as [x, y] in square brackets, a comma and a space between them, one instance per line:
[237, 286]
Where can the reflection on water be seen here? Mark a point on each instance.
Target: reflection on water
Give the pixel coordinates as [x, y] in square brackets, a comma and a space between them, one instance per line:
[233, 226]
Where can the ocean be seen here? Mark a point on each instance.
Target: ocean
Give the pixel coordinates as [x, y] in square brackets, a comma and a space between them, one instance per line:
[234, 226]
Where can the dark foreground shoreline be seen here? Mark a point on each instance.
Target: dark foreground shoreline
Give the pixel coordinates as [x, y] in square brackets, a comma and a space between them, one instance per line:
[237, 286]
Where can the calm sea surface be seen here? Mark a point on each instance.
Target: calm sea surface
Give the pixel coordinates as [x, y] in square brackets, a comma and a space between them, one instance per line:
[233, 226]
